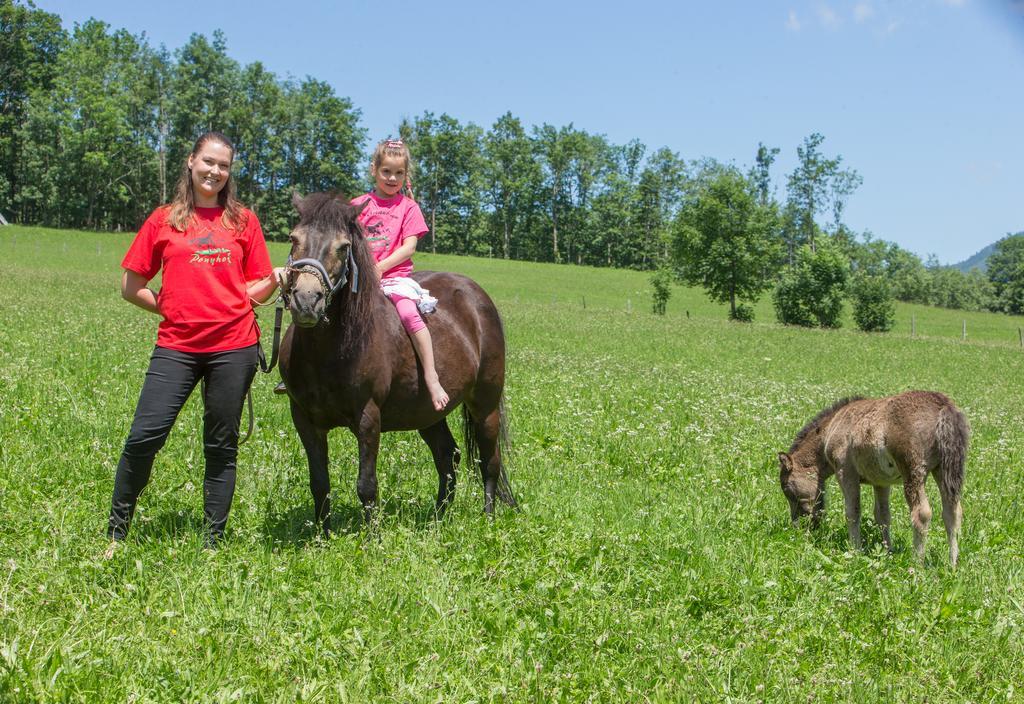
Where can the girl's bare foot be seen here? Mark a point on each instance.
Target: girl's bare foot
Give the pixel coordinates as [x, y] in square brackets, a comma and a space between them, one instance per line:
[438, 396]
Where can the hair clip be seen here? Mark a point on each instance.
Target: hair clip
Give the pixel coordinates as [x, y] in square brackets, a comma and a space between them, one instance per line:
[396, 143]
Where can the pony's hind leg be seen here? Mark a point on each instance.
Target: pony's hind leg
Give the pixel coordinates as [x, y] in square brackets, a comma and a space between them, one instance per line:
[882, 516]
[446, 459]
[488, 432]
[951, 517]
[314, 441]
[920, 510]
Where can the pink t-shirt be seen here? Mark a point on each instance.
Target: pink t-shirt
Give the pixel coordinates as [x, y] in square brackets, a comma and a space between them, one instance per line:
[387, 222]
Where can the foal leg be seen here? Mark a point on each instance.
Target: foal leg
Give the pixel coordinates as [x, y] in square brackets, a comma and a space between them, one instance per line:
[446, 459]
[951, 517]
[849, 482]
[314, 441]
[882, 515]
[920, 510]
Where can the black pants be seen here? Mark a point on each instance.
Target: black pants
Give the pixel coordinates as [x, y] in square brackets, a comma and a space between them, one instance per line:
[171, 377]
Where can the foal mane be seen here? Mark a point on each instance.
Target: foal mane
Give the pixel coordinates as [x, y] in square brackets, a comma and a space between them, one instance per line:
[819, 419]
[328, 213]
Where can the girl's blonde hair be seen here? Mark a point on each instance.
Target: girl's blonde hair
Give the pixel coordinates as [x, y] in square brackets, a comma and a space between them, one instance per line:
[183, 207]
[394, 148]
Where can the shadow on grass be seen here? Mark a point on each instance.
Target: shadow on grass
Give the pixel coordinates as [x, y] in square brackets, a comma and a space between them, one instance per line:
[295, 526]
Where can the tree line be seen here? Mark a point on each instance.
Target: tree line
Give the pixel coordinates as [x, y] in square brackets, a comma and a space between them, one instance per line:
[95, 123]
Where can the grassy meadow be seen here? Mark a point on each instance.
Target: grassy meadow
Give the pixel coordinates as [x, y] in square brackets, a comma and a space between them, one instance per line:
[652, 560]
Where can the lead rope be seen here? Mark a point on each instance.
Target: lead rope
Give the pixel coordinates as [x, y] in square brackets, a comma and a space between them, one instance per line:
[264, 366]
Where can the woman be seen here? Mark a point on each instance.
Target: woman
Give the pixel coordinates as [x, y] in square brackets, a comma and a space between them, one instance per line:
[215, 265]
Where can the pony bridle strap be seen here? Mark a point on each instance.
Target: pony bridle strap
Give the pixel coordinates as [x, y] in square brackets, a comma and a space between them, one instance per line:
[316, 268]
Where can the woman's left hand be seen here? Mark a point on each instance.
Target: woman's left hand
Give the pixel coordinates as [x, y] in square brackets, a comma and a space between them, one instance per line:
[280, 276]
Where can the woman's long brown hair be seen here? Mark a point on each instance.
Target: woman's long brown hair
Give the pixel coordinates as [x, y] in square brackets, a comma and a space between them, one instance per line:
[183, 207]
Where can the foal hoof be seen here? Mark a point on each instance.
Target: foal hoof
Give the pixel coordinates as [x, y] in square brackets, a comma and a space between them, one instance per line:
[281, 388]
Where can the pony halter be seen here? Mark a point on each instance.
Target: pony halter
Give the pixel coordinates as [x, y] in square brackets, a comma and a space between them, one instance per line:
[315, 267]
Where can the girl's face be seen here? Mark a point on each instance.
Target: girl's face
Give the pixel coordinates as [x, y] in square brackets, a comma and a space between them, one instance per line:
[390, 176]
[211, 168]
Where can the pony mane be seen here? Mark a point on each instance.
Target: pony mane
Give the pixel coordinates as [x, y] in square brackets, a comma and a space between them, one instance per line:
[819, 419]
[328, 213]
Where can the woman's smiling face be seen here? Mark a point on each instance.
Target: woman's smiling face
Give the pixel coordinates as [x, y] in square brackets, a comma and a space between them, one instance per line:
[211, 168]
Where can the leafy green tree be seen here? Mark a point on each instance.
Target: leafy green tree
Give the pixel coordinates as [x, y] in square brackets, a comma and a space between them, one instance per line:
[874, 309]
[816, 183]
[553, 147]
[513, 181]
[1006, 272]
[204, 83]
[811, 292]
[760, 173]
[254, 121]
[98, 117]
[659, 194]
[448, 180]
[30, 42]
[726, 242]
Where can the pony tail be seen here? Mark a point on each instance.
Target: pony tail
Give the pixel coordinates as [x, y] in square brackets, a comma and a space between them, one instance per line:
[408, 186]
[952, 433]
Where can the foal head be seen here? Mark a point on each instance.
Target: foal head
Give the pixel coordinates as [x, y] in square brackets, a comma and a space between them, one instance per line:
[800, 484]
[328, 239]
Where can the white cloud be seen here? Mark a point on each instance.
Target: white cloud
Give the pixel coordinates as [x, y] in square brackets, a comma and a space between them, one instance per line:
[828, 17]
[863, 11]
[793, 23]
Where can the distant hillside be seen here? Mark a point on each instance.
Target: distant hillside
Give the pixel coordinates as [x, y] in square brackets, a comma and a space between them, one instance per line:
[980, 260]
[977, 261]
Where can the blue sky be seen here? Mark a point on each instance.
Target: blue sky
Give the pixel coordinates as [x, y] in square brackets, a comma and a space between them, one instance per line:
[924, 98]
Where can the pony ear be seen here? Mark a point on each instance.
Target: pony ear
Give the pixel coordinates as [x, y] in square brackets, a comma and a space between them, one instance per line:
[786, 462]
[297, 200]
[361, 207]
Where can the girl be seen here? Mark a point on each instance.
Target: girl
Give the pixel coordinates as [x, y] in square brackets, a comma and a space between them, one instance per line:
[215, 264]
[393, 224]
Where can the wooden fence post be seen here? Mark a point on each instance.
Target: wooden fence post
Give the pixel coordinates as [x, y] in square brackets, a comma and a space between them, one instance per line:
[913, 326]
[964, 337]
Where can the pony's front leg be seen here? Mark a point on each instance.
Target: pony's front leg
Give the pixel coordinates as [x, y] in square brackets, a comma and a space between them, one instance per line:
[314, 441]
[882, 515]
[849, 482]
[368, 436]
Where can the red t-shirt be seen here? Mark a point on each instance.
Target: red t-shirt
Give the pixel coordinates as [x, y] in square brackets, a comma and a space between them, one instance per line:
[387, 222]
[203, 298]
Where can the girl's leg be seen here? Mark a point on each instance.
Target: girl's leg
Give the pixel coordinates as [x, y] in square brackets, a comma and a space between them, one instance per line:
[228, 377]
[424, 347]
[169, 380]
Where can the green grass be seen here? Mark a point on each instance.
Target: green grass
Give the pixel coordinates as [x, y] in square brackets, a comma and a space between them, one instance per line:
[652, 561]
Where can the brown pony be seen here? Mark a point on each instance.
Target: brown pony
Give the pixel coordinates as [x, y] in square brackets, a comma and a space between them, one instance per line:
[884, 441]
[347, 361]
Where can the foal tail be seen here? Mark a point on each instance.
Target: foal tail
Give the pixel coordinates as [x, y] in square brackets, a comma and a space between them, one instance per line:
[504, 488]
[952, 433]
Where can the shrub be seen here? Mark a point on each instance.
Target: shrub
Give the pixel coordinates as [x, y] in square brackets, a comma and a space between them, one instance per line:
[874, 309]
[742, 313]
[661, 282]
[811, 292]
